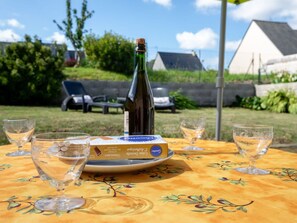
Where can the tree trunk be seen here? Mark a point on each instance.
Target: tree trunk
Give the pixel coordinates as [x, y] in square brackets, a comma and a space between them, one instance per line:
[78, 58]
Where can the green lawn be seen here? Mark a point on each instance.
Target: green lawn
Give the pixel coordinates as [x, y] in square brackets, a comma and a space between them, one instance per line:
[166, 123]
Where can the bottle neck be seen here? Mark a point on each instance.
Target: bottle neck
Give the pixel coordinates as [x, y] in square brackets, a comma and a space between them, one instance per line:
[140, 73]
[140, 57]
[140, 61]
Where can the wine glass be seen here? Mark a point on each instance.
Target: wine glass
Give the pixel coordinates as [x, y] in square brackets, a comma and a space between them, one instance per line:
[60, 158]
[18, 131]
[252, 142]
[192, 130]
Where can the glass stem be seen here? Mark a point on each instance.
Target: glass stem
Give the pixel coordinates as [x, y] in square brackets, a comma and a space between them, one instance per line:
[61, 201]
[19, 148]
[193, 140]
[252, 163]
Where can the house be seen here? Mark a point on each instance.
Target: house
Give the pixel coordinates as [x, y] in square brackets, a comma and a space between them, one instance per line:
[282, 64]
[262, 42]
[72, 55]
[69, 54]
[177, 61]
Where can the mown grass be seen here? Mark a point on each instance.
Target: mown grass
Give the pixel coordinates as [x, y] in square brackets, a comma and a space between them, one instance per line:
[166, 124]
[164, 76]
[95, 74]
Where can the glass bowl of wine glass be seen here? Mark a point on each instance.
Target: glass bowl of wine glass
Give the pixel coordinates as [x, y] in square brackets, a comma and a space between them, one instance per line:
[193, 129]
[252, 142]
[19, 132]
[60, 158]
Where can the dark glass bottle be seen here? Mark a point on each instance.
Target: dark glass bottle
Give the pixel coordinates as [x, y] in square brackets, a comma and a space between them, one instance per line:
[139, 106]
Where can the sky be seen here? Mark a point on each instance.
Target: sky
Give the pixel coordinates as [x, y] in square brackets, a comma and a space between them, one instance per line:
[167, 25]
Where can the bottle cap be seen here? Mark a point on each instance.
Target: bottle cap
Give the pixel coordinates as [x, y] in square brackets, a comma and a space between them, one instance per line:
[140, 41]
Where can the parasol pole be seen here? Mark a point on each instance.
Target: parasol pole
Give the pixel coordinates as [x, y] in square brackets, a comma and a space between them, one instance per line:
[220, 76]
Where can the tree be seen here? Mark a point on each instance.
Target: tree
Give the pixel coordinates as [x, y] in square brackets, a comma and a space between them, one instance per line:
[111, 52]
[75, 36]
[31, 73]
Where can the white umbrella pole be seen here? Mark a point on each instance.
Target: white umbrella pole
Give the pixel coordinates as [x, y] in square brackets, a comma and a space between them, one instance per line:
[220, 76]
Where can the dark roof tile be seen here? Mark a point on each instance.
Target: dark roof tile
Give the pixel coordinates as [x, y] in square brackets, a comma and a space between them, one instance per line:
[181, 61]
[281, 34]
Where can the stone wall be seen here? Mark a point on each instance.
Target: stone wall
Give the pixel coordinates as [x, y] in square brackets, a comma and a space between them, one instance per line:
[203, 94]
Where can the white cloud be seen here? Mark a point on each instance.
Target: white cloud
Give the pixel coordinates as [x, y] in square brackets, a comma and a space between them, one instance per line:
[274, 10]
[204, 39]
[15, 23]
[165, 3]
[9, 35]
[57, 37]
[205, 4]
[12, 23]
[232, 45]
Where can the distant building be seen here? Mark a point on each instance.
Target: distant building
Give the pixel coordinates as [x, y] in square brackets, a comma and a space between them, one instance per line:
[3, 45]
[263, 42]
[69, 54]
[282, 64]
[177, 61]
[72, 55]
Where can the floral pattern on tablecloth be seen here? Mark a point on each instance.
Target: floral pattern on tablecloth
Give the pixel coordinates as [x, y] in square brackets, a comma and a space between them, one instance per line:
[206, 204]
[4, 166]
[287, 174]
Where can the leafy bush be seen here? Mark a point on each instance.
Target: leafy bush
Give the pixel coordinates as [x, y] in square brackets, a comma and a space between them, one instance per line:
[251, 103]
[181, 101]
[31, 73]
[293, 108]
[279, 101]
[85, 63]
[111, 52]
[284, 77]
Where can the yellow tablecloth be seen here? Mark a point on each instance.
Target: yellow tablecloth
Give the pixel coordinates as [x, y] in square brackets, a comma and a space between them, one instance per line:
[198, 187]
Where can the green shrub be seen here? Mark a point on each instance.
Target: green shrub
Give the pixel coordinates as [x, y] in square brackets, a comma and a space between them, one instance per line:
[251, 103]
[30, 73]
[279, 101]
[85, 63]
[181, 101]
[284, 77]
[293, 108]
[111, 52]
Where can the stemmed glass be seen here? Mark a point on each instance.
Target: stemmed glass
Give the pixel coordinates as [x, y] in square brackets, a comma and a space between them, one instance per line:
[192, 130]
[252, 142]
[19, 132]
[60, 158]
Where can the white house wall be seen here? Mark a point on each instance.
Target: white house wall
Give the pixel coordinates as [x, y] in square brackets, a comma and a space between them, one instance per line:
[158, 64]
[256, 47]
[283, 64]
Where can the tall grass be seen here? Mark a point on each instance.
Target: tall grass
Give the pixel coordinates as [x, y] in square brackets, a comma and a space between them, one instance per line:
[94, 74]
[163, 76]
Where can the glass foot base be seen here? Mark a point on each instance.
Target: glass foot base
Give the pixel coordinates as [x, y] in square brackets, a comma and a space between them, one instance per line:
[57, 204]
[254, 171]
[192, 148]
[19, 153]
